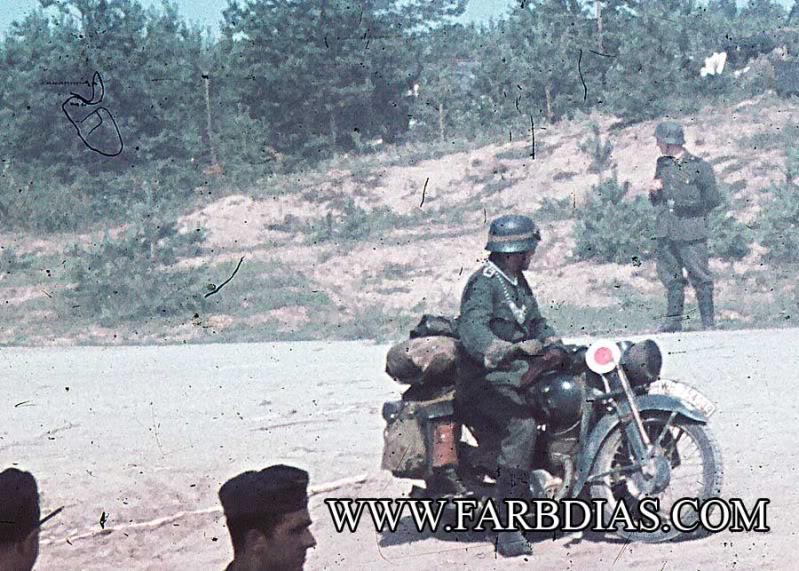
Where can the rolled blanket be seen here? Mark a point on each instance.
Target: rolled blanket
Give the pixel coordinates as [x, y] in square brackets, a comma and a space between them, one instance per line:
[423, 360]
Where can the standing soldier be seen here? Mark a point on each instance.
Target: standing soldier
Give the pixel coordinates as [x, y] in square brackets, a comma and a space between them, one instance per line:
[500, 328]
[683, 194]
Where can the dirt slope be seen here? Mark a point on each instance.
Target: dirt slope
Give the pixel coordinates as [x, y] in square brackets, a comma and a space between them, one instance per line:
[362, 248]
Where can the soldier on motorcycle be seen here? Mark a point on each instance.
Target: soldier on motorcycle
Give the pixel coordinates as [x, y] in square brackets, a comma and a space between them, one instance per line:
[500, 328]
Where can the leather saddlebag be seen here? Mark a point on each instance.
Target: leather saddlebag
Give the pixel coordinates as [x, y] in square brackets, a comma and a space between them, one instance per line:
[407, 447]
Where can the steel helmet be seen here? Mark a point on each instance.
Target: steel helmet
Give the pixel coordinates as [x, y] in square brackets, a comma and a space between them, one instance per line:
[513, 233]
[670, 132]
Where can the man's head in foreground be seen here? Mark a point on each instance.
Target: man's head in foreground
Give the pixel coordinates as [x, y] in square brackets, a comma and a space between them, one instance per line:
[267, 516]
[19, 520]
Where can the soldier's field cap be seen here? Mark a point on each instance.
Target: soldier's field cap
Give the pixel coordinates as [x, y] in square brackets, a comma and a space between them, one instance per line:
[19, 505]
[670, 132]
[275, 490]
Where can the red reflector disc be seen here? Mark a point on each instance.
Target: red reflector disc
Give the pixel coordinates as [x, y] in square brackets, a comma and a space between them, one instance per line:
[603, 356]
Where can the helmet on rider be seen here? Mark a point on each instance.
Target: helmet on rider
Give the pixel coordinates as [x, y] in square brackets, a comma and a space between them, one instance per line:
[513, 233]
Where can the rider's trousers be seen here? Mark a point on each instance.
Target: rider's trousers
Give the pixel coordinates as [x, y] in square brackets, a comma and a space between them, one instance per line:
[502, 416]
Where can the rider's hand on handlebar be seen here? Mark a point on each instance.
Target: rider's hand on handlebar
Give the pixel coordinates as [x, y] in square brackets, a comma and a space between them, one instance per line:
[531, 347]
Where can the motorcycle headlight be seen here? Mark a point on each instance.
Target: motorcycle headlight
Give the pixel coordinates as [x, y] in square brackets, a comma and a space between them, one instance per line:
[642, 363]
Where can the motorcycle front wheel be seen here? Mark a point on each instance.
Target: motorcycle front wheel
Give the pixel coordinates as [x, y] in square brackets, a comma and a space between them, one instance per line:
[696, 472]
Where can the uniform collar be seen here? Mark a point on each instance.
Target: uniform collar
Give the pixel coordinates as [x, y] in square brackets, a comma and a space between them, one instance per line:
[514, 282]
[679, 158]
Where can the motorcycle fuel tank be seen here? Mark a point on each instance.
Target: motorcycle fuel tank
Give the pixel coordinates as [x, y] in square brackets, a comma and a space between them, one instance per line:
[559, 398]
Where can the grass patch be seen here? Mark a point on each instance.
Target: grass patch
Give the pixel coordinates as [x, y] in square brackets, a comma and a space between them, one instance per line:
[554, 209]
[779, 137]
[347, 222]
[261, 287]
[496, 186]
[524, 153]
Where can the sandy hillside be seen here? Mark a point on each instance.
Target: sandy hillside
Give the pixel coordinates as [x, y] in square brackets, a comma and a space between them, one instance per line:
[394, 235]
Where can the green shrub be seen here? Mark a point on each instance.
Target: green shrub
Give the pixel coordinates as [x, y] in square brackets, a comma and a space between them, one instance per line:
[48, 199]
[728, 239]
[554, 209]
[792, 165]
[353, 223]
[779, 223]
[612, 229]
[599, 151]
[34, 199]
[133, 277]
[10, 261]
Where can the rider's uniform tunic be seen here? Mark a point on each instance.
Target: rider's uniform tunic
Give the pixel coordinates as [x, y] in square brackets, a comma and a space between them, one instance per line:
[497, 311]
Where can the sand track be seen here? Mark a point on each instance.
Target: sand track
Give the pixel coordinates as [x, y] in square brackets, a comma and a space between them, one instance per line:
[143, 433]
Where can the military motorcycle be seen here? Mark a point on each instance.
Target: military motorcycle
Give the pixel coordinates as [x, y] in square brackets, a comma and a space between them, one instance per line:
[611, 429]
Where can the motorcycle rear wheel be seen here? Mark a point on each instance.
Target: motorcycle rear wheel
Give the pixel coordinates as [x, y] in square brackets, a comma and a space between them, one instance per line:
[614, 460]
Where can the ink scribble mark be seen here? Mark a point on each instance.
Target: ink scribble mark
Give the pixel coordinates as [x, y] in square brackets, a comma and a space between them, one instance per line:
[580, 71]
[23, 403]
[532, 134]
[103, 520]
[108, 141]
[601, 54]
[216, 289]
[424, 190]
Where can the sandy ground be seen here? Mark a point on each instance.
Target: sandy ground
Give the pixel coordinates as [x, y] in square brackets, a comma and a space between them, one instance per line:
[145, 433]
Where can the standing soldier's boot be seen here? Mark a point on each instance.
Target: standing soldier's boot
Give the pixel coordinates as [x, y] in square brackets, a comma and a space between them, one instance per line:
[704, 297]
[511, 484]
[675, 300]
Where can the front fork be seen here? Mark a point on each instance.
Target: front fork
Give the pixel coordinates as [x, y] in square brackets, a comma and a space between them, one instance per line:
[655, 468]
[630, 417]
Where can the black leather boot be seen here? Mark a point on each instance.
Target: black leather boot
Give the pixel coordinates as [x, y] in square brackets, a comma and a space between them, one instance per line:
[704, 297]
[446, 482]
[513, 544]
[675, 302]
[511, 484]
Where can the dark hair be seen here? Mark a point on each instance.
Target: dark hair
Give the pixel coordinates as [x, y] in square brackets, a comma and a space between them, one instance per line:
[241, 526]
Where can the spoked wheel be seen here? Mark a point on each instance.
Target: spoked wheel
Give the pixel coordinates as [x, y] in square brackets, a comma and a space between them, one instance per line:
[690, 467]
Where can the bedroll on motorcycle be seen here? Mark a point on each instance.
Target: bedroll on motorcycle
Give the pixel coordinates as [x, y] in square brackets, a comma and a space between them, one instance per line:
[420, 433]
